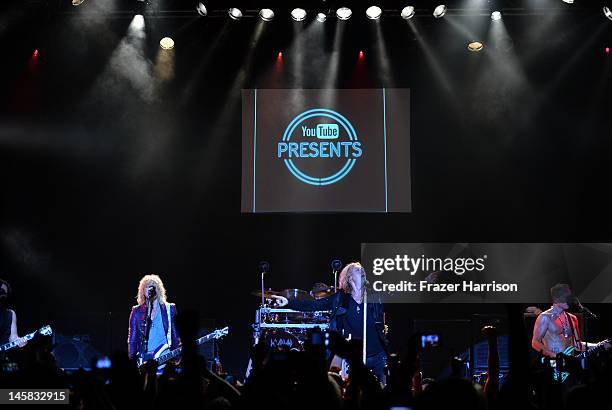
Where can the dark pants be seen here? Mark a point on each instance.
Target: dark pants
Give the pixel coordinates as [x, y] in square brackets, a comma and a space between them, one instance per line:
[377, 364]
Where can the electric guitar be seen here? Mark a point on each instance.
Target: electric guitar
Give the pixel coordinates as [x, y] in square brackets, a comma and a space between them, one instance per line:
[163, 353]
[45, 331]
[564, 364]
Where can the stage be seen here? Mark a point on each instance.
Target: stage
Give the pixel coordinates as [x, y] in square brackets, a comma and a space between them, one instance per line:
[215, 146]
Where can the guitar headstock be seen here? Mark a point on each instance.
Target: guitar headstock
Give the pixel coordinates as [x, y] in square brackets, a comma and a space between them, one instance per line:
[219, 333]
[45, 331]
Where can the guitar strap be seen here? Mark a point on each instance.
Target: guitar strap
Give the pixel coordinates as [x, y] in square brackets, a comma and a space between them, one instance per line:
[573, 329]
[169, 333]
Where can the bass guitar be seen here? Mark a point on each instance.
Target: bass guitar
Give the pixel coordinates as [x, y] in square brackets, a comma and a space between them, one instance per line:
[163, 354]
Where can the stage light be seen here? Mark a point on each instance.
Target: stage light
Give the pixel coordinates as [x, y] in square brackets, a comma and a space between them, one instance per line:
[77, 2]
[607, 12]
[298, 14]
[140, 7]
[138, 22]
[344, 13]
[235, 13]
[373, 12]
[266, 14]
[475, 46]
[407, 12]
[607, 50]
[201, 9]
[35, 54]
[361, 54]
[439, 11]
[321, 17]
[280, 55]
[568, 1]
[166, 43]
[496, 15]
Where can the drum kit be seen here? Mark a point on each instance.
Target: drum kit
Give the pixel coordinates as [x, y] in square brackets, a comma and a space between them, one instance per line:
[287, 329]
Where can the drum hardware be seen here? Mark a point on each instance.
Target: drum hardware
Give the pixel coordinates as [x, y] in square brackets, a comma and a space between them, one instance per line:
[282, 328]
[267, 293]
[288, 326]
[336, 266]
[264, 267]
[295, 294]
[321, 290]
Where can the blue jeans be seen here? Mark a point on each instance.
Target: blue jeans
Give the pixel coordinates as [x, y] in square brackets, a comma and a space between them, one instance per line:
[377, 364]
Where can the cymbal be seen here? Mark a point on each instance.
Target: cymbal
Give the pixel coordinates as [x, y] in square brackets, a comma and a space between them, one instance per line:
[321, 290]
[322, 293]
[267, 294]
[295, 294]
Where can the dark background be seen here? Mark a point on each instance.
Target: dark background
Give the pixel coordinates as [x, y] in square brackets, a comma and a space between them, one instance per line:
[105, 178]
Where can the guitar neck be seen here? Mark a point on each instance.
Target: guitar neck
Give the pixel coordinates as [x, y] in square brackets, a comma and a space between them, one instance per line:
[10, 345]
[599, 346]
[176, 352]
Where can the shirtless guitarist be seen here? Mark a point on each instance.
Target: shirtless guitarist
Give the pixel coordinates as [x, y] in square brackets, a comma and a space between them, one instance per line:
[556, 330]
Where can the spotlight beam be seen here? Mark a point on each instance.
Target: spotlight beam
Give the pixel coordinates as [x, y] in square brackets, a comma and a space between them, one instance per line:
[432, 60]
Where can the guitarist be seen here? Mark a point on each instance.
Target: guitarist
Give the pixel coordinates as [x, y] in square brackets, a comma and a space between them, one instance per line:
[152, 326]
[556, 329]
[8, 317]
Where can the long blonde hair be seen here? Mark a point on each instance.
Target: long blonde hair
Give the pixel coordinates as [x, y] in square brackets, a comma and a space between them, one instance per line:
[343, 281]
[145, 282]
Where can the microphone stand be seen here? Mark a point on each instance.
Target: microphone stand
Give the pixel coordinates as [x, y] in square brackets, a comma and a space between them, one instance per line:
[264, 267]
[585, 310]
[335, 281]
[336, 266]
[263, 288]
[145, 339]
[365, 327]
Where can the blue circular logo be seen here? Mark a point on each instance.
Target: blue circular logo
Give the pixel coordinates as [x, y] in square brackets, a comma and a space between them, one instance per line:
[320, 141]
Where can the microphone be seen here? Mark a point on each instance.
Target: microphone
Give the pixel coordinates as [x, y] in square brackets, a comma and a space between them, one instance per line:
[336, 265]
[264, 267]
[151, 292]
[575, 302]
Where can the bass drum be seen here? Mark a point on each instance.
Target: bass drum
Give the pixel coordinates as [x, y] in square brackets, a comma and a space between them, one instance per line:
[283, 341]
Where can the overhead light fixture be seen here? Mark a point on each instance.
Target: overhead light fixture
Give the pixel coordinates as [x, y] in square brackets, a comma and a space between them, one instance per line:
[475, 46]
[321, 17]
[344, 13]
[235, 13]
[201, 9]
[439, 11]
[496, 15]
[407, 12]
[166, 43]
[568, 1]
[607, 12]
[77, 2]
[140, 7]
[298, 14]
[266, 14]
[138, 22]
[373, 12]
